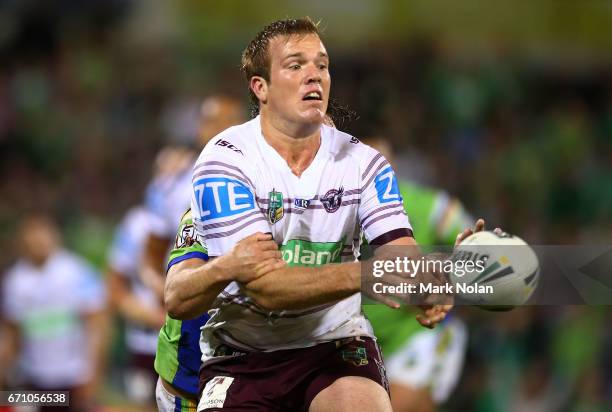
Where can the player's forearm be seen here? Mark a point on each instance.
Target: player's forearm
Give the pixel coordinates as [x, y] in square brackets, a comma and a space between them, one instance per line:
[294, 288]
[153, 279]
[192, 286]
[129, 305]
[98, 332]
[9, 349]
[132, 309]
[153, 265]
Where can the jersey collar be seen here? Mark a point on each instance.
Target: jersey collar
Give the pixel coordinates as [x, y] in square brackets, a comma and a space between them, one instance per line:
[279, 163]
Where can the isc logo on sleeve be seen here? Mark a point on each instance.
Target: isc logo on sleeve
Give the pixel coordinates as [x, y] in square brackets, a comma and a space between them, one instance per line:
[386, 186]
[220, 197]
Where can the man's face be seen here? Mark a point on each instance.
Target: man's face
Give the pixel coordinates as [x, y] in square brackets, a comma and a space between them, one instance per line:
[39, 239]
[298, 90]
[216, 115]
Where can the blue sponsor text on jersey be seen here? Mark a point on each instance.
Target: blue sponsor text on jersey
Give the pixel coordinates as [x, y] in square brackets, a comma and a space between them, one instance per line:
[386, 186]
[220, 197]
[301, 203]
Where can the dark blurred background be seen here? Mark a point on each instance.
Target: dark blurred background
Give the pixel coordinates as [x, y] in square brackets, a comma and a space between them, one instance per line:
[506, 105]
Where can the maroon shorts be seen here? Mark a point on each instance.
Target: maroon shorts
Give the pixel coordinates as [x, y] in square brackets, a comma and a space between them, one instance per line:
[287, 380]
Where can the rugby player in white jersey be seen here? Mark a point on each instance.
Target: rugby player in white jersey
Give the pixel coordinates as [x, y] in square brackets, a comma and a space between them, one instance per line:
[294, 338]
[53, 319]
[136, 304]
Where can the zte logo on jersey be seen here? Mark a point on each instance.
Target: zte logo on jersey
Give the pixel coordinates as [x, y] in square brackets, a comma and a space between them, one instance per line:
[386, 186]
[227, 144]
[220, 197]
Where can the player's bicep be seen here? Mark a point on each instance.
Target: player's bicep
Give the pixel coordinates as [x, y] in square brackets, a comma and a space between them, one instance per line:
[185, 265]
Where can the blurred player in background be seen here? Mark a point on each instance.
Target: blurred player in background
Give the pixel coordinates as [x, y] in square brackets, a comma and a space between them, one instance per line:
[294, 338]
[169, 193]
[178, 356]
[423, 365]
[54, 318]
[137, 304]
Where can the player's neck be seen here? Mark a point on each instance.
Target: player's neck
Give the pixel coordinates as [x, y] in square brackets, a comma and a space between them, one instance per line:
[297, 147]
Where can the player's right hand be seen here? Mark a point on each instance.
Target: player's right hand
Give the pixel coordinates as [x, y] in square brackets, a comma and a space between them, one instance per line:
[479, 226]
[432, 315]
[252, 257]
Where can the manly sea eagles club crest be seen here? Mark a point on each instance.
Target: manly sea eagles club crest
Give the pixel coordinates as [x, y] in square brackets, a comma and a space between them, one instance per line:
[332, 199]
[275, 207]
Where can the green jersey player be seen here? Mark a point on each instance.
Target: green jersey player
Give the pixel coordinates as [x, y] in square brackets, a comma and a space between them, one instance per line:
[178, 356]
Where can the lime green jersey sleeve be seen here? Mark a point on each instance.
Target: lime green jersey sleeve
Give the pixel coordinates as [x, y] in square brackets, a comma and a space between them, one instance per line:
[187, 244]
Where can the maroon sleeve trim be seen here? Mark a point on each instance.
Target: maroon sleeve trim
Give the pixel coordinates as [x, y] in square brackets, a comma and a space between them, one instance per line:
[391, 236]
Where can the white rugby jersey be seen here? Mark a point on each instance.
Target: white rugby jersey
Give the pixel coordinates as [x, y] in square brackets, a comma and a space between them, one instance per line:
[48, 303]
[167, 198]
[241, 185]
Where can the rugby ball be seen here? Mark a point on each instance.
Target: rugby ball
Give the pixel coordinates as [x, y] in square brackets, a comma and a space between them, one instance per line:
[504, 271]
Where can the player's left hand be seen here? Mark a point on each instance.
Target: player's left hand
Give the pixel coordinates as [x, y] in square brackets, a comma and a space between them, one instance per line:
[432, 315]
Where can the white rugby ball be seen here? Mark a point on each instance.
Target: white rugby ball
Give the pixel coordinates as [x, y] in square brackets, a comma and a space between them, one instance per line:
[506, 274]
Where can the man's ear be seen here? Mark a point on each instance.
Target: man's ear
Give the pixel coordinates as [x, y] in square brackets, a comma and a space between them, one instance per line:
[259, 86]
